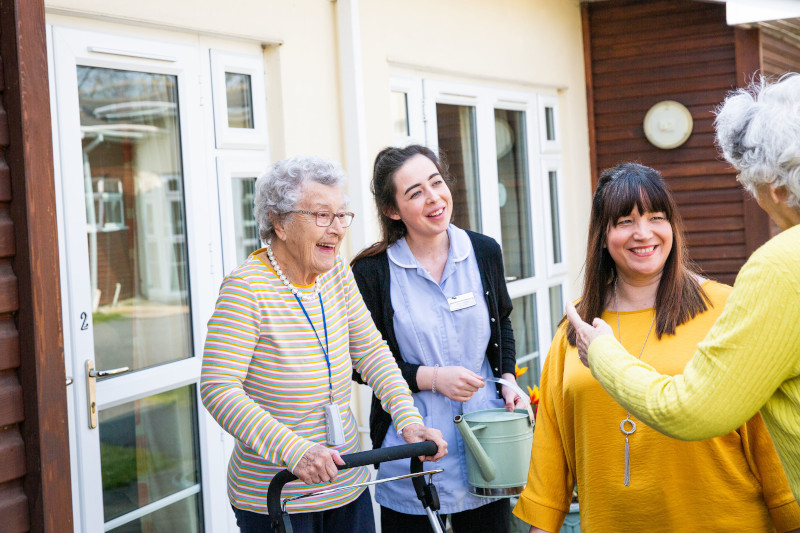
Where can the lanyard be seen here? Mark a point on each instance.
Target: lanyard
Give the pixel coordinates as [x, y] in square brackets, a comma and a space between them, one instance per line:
[326, 347]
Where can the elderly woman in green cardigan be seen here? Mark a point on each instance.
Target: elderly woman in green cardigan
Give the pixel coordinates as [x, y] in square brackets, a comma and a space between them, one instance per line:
[750, 360]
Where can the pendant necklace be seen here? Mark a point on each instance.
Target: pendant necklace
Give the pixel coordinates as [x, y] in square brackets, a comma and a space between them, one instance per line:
[285, 280]
[628, 426]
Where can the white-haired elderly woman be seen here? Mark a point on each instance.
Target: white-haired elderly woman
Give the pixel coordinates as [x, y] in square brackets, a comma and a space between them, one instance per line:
[750, 360]
[287, 331]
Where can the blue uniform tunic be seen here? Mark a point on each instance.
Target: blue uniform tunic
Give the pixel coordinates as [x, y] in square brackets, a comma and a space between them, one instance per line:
[429, 333]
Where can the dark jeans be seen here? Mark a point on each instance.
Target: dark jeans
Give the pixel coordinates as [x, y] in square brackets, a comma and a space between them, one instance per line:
[355, 516]
[494, 517]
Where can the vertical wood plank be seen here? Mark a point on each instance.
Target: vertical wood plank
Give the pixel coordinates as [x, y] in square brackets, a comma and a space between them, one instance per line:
[32, 208]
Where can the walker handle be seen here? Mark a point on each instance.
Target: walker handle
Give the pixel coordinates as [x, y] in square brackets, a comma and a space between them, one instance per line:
[381, 455]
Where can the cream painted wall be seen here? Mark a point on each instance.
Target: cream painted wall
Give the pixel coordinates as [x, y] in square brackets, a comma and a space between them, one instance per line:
[511, 43]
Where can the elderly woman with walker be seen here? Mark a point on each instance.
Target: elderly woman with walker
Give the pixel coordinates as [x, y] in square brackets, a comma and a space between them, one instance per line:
[287, 331]
[750, 360]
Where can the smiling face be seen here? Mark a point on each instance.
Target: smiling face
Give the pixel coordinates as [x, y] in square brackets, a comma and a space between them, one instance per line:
[305, 250]
[424, 202]
[639, 244]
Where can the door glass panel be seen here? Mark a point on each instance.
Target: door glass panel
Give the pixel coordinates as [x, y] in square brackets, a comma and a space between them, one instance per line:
[240, 100]
[512, 173]
[555, 216]
[180, 516]
[458, 140]
[525, 324]
[550, 123]
[556, 308]
[245, 229]
[148, 451]
[133, 180]
[400, 127]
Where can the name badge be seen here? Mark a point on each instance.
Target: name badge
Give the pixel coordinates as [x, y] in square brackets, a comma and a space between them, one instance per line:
[462, 301]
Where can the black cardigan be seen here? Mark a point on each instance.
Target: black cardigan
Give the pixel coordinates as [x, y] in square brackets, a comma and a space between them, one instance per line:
[372, 277]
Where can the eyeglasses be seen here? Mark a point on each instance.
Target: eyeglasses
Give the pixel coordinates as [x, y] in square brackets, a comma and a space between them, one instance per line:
[325, 218]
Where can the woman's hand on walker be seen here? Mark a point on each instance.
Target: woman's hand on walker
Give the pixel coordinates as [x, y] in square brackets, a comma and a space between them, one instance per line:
[458, 383]
[586, 333]
[418, 433]
[318, 465]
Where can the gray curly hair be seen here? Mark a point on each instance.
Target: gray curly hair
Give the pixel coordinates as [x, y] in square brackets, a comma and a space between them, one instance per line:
[758, 131]
[279, 189]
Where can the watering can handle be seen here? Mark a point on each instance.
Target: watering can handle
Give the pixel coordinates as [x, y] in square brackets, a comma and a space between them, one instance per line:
[520, 393]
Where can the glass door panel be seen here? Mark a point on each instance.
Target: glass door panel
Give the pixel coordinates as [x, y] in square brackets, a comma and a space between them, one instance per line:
[458, 140]
[514, 187]
[149, 454]
[245, 229]
[525, 324]
[134, 217]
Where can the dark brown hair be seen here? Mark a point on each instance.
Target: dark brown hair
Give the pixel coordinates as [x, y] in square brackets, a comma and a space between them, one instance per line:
[387, 163]
[679, 296]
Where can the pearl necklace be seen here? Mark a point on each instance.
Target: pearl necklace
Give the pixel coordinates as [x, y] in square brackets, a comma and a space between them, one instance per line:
[283, 278]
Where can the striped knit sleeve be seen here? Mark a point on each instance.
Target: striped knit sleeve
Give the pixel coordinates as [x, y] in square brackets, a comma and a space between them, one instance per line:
[233, 334]
[374, 361]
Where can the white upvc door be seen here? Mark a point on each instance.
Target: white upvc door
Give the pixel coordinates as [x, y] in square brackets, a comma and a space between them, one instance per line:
[140, 266]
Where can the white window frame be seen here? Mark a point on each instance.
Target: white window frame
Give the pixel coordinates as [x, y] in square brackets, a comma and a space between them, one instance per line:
[251, 65]
[231, 167]
[554, 146]
[542, 155]
[413, 90]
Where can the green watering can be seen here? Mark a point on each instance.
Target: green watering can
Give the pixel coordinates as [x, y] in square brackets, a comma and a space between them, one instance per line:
[498, 447]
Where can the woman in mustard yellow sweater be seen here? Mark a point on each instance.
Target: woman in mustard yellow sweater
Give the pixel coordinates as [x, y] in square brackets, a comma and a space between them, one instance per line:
[630, 477]
[750, 360]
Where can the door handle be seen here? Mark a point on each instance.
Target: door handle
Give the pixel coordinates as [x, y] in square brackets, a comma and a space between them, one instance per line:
[91, 397]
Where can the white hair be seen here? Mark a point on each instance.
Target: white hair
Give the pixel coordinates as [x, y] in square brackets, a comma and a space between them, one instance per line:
[278, 190]
[758, 131]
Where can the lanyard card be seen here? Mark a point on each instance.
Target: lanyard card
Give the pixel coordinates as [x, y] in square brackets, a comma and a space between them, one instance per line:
[334, 430]
[462, 301]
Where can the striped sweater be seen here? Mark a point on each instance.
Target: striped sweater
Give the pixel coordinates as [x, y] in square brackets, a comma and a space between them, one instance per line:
[265, 379]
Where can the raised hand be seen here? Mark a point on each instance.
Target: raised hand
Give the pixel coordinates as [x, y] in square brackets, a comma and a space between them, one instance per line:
[586, 333]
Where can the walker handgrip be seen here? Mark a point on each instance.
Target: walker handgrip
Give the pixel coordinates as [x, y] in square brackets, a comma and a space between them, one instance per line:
[352, 460]
[382, 455]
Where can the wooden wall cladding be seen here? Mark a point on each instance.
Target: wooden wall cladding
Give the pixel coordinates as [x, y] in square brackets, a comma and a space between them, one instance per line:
[643, 52]
[779, 53]
[13, 501]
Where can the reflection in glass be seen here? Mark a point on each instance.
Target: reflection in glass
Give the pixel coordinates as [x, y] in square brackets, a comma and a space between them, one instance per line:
[148, 451]
[556, 308]
[245, 229]
[136, 231]
[524, 322]
[239, 96]
[555, 216]
[179, 517]
[400, 126]
[550, 123]
[458, 140]
[512, 173]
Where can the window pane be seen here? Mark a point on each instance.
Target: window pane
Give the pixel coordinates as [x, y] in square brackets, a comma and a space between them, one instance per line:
[400, 114]
[458, 141]
[550, 123]
[148, 451]
[512, 173]
[555, 216]
[245, 229]
[183, 516]
[556, 308]
[138, 263]
[524, 321]
[240, 100]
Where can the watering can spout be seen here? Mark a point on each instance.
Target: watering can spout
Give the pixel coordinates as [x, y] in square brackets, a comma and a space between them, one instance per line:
[485, 464]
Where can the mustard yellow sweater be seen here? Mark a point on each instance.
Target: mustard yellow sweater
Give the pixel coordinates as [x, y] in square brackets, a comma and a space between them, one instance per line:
[749, 362]
[730, 483]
